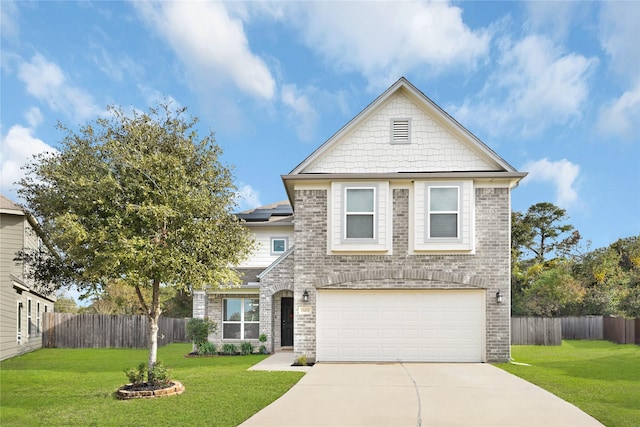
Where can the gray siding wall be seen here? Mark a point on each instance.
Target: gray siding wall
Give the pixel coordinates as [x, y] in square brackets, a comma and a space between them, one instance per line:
[16, 233]
[488, 268]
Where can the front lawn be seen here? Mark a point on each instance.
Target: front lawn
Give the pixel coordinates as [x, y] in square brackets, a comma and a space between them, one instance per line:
[599, 377]
[76, 387]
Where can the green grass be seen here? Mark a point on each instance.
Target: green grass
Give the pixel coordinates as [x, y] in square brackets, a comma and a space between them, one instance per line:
[599, 377]
[76, 387]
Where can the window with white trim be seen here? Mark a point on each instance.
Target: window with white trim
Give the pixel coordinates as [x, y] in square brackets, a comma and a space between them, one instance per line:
[279, 245]
[19, 325]
[29, 318]
[38, 318]
[400, 131]
[443, 212]
[240, 318]
[443, 217]
[359, 213]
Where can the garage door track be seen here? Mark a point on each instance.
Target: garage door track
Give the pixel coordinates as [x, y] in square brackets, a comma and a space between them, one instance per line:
[417, 394]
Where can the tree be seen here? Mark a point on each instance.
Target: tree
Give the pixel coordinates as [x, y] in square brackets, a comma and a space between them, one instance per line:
[65, 304]
[139, 198]
[540, 231]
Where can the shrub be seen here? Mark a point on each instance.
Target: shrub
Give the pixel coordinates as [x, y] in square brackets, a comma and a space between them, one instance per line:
[246, 348]
[159, 375]
[263, 349]
[136, 376]
[198, 330]
[229, 348]
[302, 360]
[263, 338]
[207, 347]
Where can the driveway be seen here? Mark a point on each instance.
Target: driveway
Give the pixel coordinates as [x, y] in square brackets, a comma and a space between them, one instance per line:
[417, 394]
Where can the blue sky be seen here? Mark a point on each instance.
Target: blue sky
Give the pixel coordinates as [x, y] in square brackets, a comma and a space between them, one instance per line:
[553, 87]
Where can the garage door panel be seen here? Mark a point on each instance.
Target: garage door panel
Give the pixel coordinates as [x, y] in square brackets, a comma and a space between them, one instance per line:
[443, 326]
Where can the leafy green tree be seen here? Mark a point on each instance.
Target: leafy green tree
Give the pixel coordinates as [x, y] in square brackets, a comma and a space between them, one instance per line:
[139, 198]
[541, 232]
[611, 278]
[553, 292]
[65, 304]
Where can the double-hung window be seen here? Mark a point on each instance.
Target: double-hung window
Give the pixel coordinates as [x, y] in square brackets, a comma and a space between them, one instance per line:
[443, 213]
[19, 322]
[29, 332]
[240, 318]
[360, 213]
[38, 318]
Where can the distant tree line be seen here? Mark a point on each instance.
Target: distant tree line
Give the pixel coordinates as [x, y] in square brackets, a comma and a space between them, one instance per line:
[553, 275]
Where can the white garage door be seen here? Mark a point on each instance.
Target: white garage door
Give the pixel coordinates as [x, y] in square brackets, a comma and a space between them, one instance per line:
[408, 326]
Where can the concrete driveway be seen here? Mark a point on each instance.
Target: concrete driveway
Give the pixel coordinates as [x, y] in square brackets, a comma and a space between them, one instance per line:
[417, 394]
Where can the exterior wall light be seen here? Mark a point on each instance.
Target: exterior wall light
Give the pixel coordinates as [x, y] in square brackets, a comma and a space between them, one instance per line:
[499, 298]
[305, 296]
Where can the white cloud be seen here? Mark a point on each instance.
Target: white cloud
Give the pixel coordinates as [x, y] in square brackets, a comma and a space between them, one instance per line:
[384, 40]
[46, 81]
[9, 27]
[619, 34]
[248, 197]
[621, 117]
[212, 45]
[553, 17]
[34, 117]
[536, 86]
[18, 148]
[303, 116]
[561, 174]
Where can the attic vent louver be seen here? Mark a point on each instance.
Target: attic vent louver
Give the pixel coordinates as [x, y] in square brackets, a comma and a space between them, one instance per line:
[400, 131]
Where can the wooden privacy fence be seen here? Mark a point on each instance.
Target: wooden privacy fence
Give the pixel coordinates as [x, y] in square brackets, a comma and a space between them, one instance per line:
[582, 328]
[536, 331]
[64, 330]
[621, 331]
[551, 331]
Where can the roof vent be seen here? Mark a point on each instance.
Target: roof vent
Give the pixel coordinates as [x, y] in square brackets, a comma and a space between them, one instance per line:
[400, 131]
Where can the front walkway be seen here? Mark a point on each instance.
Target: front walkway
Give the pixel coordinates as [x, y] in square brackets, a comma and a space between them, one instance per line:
[280, 361]
[417, 394]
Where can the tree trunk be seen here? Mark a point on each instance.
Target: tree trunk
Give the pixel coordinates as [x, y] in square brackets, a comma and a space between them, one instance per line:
[153, 314]
[153, 344]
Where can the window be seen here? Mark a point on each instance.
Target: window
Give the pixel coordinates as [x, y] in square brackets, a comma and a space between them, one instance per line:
[240, 318]
[400, 131]
[38, 318]
[359, 213]
[19, 322]
[278, 245]
[443, 216]
[443, 212]
[28, 317]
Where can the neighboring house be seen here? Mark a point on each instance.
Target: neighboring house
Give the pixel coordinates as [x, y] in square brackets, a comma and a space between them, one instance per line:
[21, 306]
[399, 250]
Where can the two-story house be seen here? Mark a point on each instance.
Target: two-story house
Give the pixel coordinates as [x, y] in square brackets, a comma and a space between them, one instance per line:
[22, 307]
[398, 248]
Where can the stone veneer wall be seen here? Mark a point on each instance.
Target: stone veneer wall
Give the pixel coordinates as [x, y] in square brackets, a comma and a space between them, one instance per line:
[488, 268]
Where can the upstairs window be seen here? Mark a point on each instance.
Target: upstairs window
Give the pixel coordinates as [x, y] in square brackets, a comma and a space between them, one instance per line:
[443, 213]
[400, 131]
[278, 245]
[359, 213]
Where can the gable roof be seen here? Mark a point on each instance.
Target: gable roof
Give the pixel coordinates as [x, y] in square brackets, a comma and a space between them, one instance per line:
[443, 119]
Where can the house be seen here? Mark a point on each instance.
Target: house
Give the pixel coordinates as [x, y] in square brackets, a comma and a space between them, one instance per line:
[21, 305]
[398, 250]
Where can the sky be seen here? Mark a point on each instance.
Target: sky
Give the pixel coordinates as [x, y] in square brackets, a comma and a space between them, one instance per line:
[553, 87]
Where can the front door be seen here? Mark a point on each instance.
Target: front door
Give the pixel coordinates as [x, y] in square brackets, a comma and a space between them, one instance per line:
[286, 314]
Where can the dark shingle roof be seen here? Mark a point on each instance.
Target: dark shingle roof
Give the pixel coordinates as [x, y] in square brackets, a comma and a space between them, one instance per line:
[274, 212]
